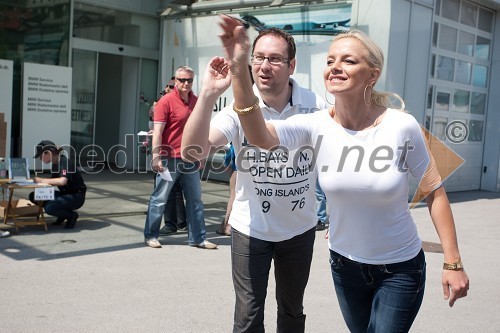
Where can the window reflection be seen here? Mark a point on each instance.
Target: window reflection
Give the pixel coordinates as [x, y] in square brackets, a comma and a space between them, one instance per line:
[105, 25]
[37, 33]
[451, 9]
[478, 103]
[430, 92]
[461, 101]
[445, 68]
[463, 72]
[480, 75]
[466, 43]
[433, 65]
[435, 33]
[476, 130]
[427, 123]
[448, 38]
[438, 7]
[439, 127]
[468, 14]
[485, 21]
[442, 101]
[482, 48]
[114, 26]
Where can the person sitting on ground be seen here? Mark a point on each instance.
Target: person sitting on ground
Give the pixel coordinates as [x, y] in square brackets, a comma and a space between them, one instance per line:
[64, 175]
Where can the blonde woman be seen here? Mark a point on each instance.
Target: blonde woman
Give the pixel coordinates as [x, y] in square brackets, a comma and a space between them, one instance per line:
[367, 153]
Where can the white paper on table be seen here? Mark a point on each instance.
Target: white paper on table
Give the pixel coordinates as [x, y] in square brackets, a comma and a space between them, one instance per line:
[44, 193]
[166, 174]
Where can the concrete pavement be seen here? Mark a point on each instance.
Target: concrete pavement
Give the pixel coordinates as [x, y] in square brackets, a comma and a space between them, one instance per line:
[100, 277]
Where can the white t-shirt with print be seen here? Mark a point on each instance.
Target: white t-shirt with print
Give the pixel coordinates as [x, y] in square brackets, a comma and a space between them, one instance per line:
[365, 176]
[275, 190]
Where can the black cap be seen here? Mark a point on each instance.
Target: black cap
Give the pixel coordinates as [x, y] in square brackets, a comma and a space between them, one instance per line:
[43, 146]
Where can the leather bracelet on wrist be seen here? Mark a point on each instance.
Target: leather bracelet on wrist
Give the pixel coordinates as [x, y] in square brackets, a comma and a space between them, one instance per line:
[247, 110]
[453, 266]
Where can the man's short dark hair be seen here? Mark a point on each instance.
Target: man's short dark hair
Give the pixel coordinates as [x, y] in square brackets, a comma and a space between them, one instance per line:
[276, 32]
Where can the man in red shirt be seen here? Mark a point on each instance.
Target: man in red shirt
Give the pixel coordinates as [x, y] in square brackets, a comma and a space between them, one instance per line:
[171, 114]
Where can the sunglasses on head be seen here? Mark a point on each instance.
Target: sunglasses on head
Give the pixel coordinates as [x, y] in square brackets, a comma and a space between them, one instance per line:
[185, 80]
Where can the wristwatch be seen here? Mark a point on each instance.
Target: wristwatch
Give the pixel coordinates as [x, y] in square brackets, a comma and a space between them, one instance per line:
[453, 266]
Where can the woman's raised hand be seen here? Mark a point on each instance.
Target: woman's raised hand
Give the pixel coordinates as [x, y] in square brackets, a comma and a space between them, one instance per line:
[236, 43]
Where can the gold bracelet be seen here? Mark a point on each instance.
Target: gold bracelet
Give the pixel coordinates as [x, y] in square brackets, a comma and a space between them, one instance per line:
[453, 266]
[247, 110]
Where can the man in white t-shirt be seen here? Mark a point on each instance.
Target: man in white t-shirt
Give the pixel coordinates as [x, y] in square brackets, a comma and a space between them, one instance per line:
[273, 215]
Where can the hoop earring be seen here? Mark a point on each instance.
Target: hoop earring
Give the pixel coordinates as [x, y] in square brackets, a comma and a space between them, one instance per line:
[364, 95]
[326, 98]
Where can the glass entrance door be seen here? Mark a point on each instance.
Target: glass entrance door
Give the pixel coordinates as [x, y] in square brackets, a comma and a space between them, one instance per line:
[149, 93]
[83, 104]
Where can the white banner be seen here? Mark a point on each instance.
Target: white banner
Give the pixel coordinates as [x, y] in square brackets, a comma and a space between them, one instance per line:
[6, 76]
[46, 109]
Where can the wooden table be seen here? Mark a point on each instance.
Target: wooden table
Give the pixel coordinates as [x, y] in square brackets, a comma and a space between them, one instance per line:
[19, 210]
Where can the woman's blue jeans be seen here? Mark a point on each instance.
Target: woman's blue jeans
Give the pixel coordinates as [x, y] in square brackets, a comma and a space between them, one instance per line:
[251, 262]
[188, 175]
[379, 298]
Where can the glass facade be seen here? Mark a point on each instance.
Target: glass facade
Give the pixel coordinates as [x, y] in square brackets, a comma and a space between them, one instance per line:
[40, 31]
[115, 26]
[106, 25]
[36, 32]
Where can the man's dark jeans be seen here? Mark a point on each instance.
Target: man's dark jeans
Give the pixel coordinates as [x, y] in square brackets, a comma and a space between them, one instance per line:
[251, 262]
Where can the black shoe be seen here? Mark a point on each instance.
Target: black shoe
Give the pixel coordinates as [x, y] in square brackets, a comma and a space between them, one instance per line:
[182, 226]
[71, 222]
[320, 226]
[59, 220]
[167, 230]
